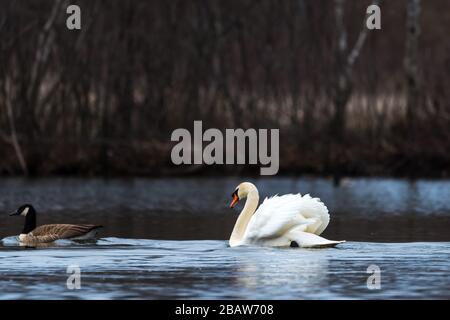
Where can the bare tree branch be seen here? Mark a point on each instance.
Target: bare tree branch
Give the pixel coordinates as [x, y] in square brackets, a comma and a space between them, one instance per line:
[45, 41]
[14, 140]
[359, 42]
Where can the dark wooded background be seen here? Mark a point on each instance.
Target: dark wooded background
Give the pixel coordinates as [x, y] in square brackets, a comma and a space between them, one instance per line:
[104, 100]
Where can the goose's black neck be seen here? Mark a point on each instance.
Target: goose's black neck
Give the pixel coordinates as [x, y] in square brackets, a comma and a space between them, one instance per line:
[30, 221]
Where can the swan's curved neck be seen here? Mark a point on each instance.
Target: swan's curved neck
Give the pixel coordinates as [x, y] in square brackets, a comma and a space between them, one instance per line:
[244, 218]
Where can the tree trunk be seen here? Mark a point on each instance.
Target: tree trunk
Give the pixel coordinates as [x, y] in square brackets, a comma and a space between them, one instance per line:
[410, 61]
[344, 62]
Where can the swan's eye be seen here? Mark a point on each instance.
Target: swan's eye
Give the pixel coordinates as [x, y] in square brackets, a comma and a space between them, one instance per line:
[235, 193]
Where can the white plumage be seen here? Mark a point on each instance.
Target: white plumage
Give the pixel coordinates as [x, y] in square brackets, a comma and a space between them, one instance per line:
[284, 220]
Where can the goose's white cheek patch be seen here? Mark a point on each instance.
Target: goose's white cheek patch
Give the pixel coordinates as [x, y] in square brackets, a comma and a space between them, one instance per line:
[24, 212]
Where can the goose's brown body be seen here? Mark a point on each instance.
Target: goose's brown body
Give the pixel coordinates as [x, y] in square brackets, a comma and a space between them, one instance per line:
[53, 232]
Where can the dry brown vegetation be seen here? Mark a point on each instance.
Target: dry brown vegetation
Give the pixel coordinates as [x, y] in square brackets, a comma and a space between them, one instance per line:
[105, 99]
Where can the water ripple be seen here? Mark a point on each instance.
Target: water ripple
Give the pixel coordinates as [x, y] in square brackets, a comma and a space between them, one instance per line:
[115, 268]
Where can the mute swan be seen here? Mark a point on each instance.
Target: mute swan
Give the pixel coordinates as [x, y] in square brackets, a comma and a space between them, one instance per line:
[51, 232]
[280, 221]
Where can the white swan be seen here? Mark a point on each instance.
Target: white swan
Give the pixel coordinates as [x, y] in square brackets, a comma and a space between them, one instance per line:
[280, 221]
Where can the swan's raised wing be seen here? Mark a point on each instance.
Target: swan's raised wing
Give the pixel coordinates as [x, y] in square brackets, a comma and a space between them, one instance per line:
[279, 214]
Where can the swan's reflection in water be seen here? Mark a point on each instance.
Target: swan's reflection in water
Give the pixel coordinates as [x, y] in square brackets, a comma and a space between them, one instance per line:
[296, 270]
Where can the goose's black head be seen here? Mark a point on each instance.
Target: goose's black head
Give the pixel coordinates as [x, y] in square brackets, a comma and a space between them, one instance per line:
[24, 210]
[29, 213]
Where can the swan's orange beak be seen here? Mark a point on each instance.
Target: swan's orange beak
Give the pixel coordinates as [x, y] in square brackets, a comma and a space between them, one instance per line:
[235, 200]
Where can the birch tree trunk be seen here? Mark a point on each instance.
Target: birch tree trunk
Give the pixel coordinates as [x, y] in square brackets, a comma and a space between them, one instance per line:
[342, 81]
[344, 63]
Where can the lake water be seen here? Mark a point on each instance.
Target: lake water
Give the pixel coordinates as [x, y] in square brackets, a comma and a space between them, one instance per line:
[166, 238]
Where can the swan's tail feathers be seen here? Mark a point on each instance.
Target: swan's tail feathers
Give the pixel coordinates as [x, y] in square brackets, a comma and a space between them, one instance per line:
[310, 240]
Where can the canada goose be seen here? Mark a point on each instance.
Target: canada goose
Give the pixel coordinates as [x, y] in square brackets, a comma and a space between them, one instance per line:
[51, 232]
[280, 221]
